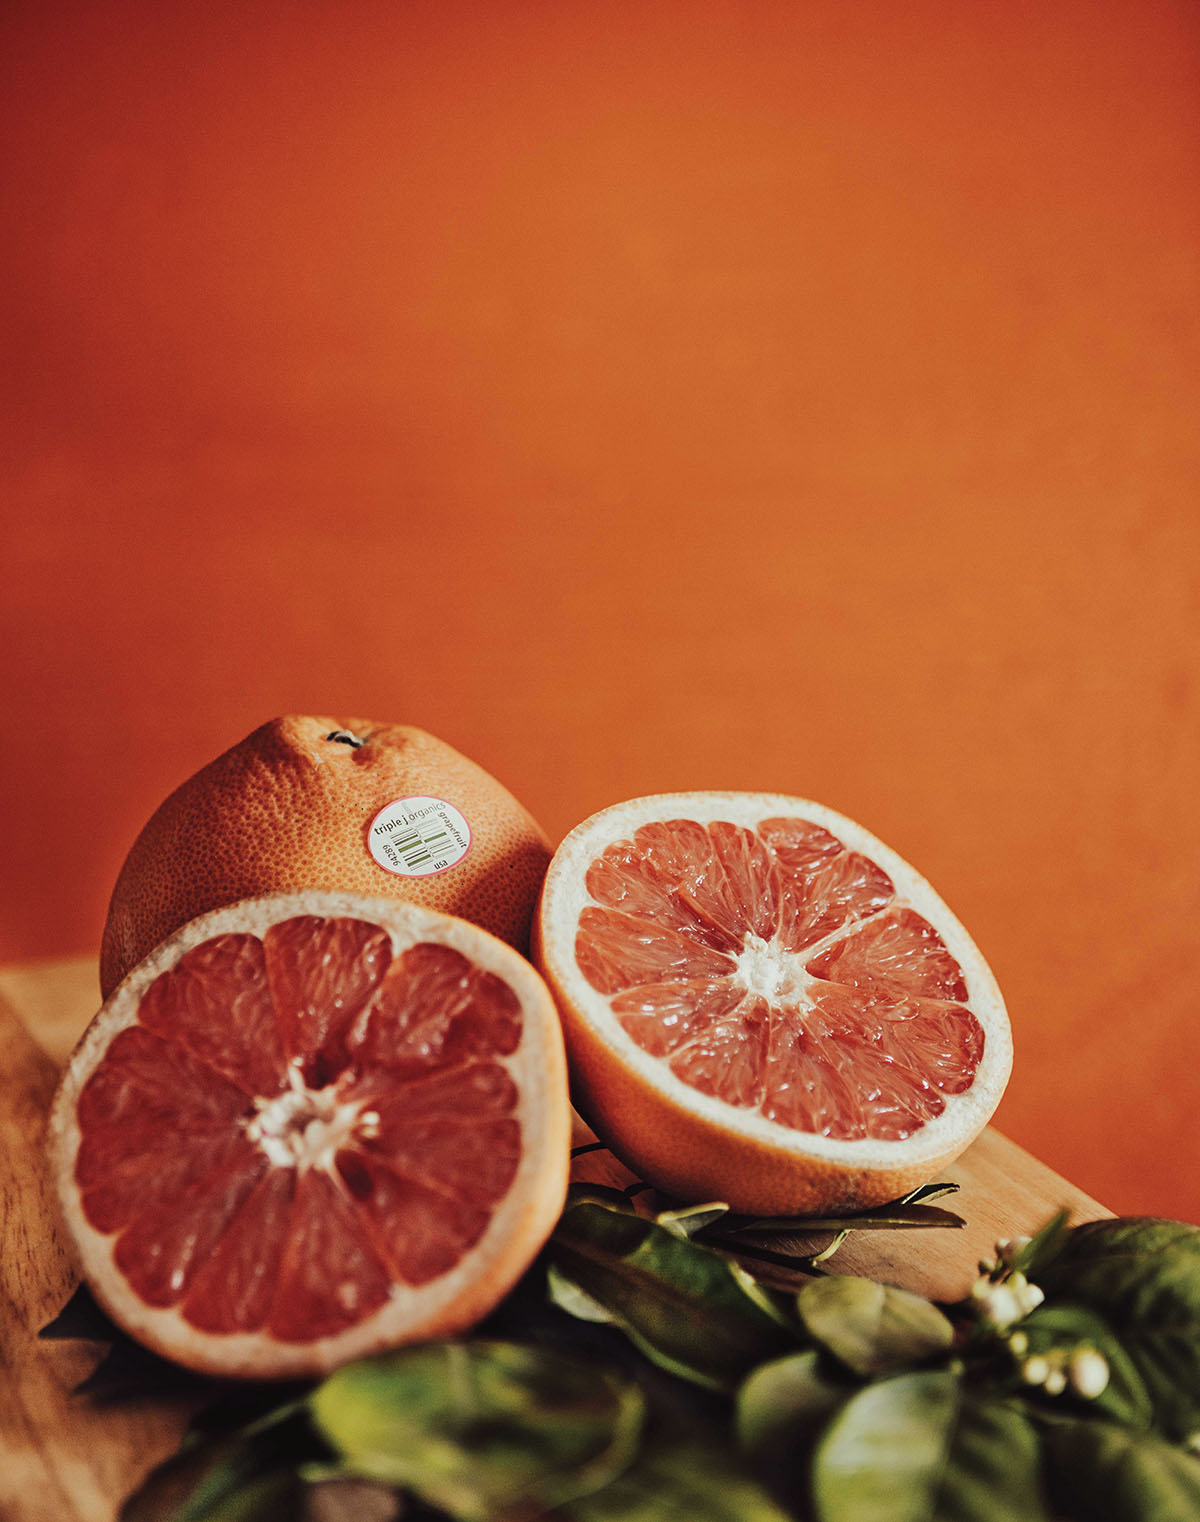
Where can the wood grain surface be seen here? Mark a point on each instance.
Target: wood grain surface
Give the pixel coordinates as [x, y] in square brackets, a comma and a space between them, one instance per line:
[64, 1458]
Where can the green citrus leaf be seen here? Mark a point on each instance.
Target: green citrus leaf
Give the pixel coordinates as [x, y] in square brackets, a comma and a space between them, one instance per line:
[480, 1429]
[784, 1398]
[1100, 1472]
[872, 1328]
[1043, 1247]
[686, 1307]
[246, 1476]
[1143, 1277]
[688, 1483]
[690, 1219]
[782, 1408]
[885, 1218]
[920, 1448]
[1063, 1326]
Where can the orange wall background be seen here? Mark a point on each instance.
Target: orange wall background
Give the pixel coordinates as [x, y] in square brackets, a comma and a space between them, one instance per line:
[685, 393]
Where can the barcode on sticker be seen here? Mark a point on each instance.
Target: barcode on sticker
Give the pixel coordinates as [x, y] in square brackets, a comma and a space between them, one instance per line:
[416, 837]
[418, 848]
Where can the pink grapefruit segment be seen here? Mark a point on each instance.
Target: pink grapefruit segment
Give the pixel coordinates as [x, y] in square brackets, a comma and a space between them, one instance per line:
[764, 972]
[825, 1006]
[310, 1120]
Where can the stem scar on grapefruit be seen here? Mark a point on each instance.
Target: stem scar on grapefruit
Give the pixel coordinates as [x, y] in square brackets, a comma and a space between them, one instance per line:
[764, 1004]
[309, 1127]
[335, 803]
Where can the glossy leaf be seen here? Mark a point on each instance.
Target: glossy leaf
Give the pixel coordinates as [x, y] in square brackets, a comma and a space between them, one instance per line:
[885, 1218]
[480, 1429]
[1043, 1247]
[782, 1408]
[1062, 1327]
[784, 1398]
[1143, 1277]
[246, 1476]
[1101, 1472]
[690, 1483]
[872, 1328]
[686, 1307]
[920, 1448]
[690, 1219]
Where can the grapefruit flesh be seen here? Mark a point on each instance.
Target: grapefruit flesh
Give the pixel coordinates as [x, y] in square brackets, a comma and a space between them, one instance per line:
[311, 1127]
[334, 803]
[763, 1002]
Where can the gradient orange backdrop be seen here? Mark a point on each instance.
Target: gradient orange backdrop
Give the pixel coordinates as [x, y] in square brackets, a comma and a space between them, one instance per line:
[640, 396]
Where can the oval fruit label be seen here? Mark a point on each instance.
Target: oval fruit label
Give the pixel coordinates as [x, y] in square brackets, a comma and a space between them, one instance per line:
[417, 837]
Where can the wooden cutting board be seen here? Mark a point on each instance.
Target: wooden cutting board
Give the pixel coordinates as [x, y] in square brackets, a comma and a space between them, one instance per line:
[63, 1458]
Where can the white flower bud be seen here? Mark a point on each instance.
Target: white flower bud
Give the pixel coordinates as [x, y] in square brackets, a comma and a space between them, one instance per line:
[1018, 1343]
[1055, 1382]
[1029, 1297]
[1001, 1307]
[1009, 1248]
[1089, 1373]
[1035, 1370]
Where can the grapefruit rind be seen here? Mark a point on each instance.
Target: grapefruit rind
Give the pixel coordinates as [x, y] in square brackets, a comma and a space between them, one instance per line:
[521, 1220]
[686, 1141]
[286, 810]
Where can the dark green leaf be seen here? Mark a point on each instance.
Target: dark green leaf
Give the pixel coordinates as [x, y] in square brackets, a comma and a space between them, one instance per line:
[782, 1409]
[599, 1194]
[927, 1192]
[249, 1476]
[679, 1484]
[481, 1430]
[1143, 1277]
[1043, 1247]
[1130, 1234]
[872, 1328]
[885, 1218]
[1100, 1472]
[920, 1448]
[575, 1301]
[685, 1306]
[1063, 1326]
[784, 1398]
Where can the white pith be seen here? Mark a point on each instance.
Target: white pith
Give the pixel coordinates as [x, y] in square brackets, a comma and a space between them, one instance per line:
[764, 968]
[298, 1129]
[305, 1128]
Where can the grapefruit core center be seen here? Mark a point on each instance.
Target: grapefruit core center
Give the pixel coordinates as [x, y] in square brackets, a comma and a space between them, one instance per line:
[765, 968]
[306, 1128]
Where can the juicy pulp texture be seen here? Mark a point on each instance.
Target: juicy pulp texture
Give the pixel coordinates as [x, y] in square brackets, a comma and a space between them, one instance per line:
[779, 971]
[298, 1122]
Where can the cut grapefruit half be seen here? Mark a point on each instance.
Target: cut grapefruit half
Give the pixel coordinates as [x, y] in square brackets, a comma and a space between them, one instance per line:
[764, 1004]
[309, 1127]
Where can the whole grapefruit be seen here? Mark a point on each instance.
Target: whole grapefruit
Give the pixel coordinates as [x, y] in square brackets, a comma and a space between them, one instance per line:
[315, 802]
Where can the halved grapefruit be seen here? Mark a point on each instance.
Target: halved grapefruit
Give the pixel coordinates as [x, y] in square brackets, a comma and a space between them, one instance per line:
[312, 1126]
[764, 1004]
